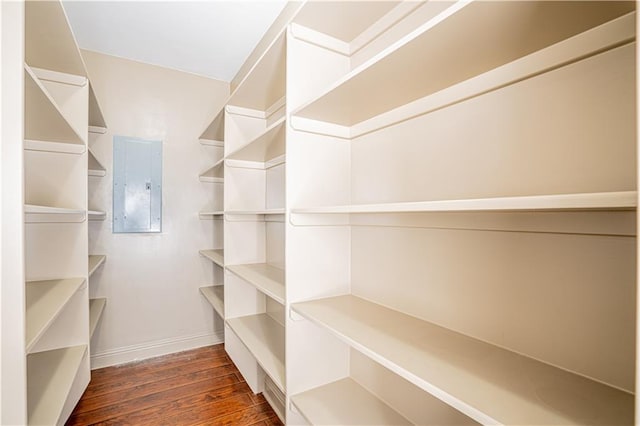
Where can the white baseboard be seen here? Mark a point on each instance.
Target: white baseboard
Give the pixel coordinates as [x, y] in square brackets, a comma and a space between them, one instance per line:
[152, 349]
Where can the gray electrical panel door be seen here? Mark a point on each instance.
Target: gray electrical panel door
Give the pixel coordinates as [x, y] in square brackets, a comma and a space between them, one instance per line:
[137, 185]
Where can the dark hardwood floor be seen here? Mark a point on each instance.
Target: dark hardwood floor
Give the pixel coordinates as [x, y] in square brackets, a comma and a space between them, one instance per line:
[197, 387]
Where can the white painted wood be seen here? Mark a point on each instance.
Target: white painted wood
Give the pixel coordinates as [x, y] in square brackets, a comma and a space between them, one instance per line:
[96, 308]
[57, 147]
[265, 83]
[59, 77]
[39, 214]
[96, 215]
[215, 296]
[44, 302]
[623, 200]
[487, 383]
[216, 256]
[266, 278]
[265, 147]
[97, 123]
[215, 174]
[264, 338]
[275, 398]
[254, 212]
[350, 100]
[215, 214]
[95, 260]
[244, 360]
[211, 142]
[95, 168]
[345, 402]
[50, 377]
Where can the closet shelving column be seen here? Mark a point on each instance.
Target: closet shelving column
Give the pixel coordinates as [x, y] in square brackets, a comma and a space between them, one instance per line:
[213, 138]
[95, 171]
[56, 312]
[254, 225]
[487, 262]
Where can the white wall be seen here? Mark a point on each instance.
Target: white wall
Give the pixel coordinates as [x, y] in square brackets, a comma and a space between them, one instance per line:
[151, 281]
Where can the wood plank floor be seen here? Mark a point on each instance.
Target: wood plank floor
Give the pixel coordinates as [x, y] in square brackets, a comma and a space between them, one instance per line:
[197, 387]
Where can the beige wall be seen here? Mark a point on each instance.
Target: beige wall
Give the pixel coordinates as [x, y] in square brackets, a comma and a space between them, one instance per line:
[151, 281]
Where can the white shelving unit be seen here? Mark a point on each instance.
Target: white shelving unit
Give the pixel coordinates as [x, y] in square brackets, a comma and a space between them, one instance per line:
[95, 168]
[97, 215]
[487, 383]
[47, 214]
[95, 261]
[52, 377]
[215, 296]
[216, 256]
[45, 301]
[264, 339]
[96, 308]
[266, 278]
[345, 402]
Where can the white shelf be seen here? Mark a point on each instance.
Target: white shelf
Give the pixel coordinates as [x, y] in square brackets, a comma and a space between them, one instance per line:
[44, 302]
[211, 142]
[487, 383]
[50, 376]
[215, 214]
[215, 296]
[625, 200]
[46, 127]
[480, 33]
[264, 84]
[97, 215]
[267, 147]
[215, 174]
[266, 278]
[95, 260]
[95, 167]
[345, 402]
[96, 307]
[264, 338]
[216, 256]
[96, 119]
[255, 212]
[46, 214]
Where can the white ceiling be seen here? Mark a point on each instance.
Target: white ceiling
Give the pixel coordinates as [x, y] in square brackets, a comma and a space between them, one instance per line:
[210, 38]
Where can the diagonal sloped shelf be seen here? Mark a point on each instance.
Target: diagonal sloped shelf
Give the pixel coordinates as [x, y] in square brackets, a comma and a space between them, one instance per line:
[44, 302]
[47, 214]
[490, 384]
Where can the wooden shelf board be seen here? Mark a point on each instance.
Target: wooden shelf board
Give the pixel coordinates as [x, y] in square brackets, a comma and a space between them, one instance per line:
[266, 278]
[47, 214]
[215, 296]
[624, 200]
[487, 383]
[44, 302]
[264, 84]
[211, 142]
[264, 338]
[208, 179]
[345, 402]
[255, 212]
[95, 260]
[421, 63]
[213, 214]
[265, 147]
[215, 255]
[96, 308]
[44, 120]
[50, 376]
[97, 130]
[97, 215]
[57, 147]
[95, 167]
[215, 173]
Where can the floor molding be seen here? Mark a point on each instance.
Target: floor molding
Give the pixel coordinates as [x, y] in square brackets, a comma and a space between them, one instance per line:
[152, 349]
